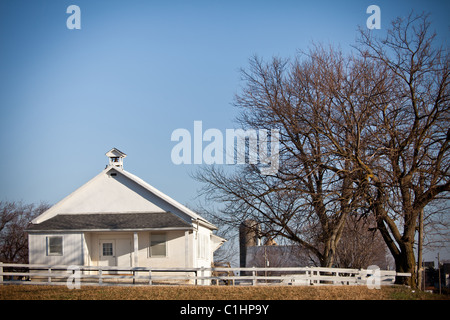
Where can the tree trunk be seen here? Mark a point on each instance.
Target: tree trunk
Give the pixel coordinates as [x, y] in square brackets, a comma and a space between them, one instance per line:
[405, 262]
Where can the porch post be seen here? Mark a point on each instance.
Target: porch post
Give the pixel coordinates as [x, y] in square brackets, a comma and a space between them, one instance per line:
[83, 252]
[186, 249]
[136, 245]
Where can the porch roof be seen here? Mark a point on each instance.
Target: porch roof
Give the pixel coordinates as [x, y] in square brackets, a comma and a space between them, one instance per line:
[111, 222]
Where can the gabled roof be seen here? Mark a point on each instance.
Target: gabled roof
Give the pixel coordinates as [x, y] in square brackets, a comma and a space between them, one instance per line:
[114, 152]
[116, 191]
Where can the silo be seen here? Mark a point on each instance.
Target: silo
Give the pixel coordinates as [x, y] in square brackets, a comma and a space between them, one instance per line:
[249, 234]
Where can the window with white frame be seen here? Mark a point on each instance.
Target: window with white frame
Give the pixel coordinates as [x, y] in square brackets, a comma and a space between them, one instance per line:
[158, 245]
[54, 246]
[107, 249]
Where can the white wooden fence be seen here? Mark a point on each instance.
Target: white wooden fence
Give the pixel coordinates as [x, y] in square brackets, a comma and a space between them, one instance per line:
[101, 275]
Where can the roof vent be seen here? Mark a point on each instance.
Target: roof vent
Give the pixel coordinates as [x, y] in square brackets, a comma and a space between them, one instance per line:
[116, 158]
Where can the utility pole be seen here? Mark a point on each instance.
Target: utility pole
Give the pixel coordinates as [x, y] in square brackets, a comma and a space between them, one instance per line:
[266, 262]
[419, 253]
[439, 270]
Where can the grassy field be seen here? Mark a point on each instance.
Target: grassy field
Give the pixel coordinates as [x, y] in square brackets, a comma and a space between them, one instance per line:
[31, 292]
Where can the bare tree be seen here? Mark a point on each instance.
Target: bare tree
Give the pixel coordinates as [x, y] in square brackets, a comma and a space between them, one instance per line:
[367, 133]
[408, 166]
[308, 199]
[14, 219]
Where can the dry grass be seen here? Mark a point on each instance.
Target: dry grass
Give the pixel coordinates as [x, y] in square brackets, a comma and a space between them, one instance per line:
[30, 292]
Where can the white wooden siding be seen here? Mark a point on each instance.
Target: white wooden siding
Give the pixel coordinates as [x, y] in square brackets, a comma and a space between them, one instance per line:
[175, 250]
[83, 248]
[73, 244]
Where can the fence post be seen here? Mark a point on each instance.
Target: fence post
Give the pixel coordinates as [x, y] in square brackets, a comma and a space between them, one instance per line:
[196, 277]
[254, 276]
[313, 276]
[202, 275]
[150, 277]
[359, 277]
[49, 278]
[100, 280]
[1, 273]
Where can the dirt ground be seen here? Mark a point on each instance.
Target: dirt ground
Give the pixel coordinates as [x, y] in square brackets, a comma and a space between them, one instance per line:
[38, 292]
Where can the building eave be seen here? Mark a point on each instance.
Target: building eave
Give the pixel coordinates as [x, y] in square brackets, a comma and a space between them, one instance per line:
[109, 230]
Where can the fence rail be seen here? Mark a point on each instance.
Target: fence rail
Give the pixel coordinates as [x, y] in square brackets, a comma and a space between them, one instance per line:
[102, 275]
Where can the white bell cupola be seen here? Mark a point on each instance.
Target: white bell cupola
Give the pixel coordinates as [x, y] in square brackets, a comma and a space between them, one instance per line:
[116, 158]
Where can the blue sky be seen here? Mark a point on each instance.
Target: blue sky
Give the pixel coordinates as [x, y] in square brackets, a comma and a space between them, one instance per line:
[138, 70]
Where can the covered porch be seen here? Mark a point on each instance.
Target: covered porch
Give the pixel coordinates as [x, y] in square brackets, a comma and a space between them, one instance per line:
[143, 248]
[111, 249]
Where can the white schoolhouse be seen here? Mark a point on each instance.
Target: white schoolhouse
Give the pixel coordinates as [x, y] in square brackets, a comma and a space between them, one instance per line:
[117, 219]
